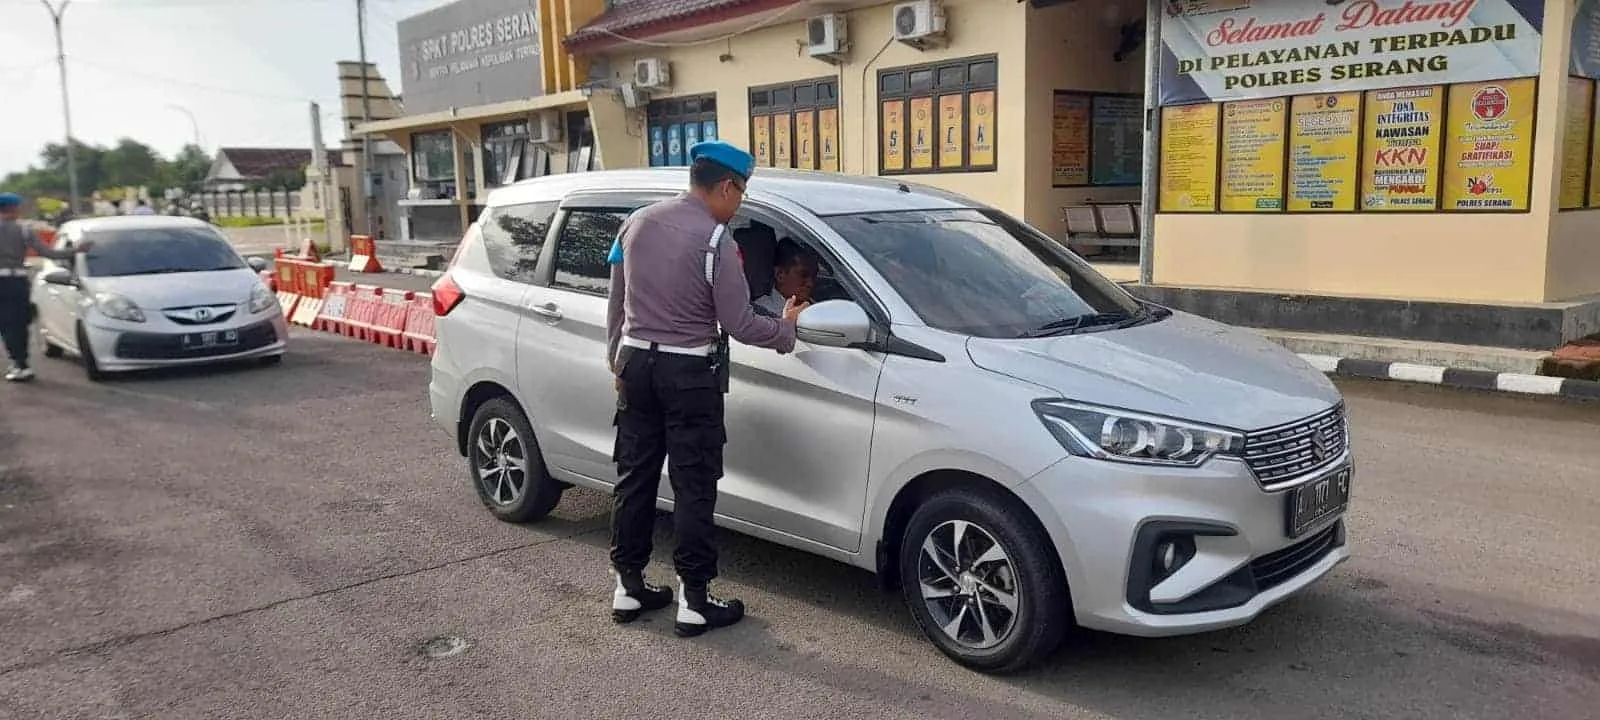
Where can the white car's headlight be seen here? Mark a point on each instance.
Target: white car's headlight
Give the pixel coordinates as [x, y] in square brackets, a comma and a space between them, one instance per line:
[118, 307]
[1124, 436]
[261, 298]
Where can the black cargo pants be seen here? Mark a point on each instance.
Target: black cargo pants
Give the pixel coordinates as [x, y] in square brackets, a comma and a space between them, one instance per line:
[16, 313]
[669, 408]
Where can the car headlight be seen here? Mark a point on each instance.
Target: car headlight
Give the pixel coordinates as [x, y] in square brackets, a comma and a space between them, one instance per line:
[261, 298]
[118, 307]
[1124, 436]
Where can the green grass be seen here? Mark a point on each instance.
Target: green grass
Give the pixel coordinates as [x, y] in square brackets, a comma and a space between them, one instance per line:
[249, 222]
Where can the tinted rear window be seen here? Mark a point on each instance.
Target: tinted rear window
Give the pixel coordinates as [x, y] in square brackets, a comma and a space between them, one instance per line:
[513, 238]
[150, 251]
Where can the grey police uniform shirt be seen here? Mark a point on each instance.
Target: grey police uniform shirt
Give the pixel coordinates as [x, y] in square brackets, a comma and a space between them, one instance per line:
[15, 240]
[659, 292]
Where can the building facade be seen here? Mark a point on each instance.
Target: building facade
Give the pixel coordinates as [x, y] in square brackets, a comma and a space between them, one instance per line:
[1390, 150]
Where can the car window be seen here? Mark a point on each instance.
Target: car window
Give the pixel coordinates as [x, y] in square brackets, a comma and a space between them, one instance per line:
[513, 238]
[582, 248]
[980, 272]
[148, 251]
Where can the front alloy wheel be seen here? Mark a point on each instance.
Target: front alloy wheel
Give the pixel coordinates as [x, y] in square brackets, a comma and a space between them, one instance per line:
[969, 584]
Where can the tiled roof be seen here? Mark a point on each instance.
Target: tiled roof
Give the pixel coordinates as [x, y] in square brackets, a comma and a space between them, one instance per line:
[261, 162]
[643, 18]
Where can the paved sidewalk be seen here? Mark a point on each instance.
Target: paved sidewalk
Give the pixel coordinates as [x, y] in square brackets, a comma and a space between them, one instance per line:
[402, 281]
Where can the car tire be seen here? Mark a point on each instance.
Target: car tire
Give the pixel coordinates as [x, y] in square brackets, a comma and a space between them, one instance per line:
[500, 426]
[1025, 568]
[91, 366]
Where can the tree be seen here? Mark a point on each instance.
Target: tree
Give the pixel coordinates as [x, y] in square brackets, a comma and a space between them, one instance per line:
[129, 162]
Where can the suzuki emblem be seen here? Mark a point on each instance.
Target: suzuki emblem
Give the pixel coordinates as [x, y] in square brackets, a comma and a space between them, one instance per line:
[1319, 444]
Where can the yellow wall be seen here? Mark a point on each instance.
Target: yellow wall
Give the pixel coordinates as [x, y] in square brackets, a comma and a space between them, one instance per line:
[771, 55]
[1490, 257]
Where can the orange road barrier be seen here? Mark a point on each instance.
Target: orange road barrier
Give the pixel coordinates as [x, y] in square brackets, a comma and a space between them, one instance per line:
[419, 332]
[364, 255]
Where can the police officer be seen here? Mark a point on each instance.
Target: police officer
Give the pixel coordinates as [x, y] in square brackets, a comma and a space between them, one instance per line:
[16, 308]
[676, 276]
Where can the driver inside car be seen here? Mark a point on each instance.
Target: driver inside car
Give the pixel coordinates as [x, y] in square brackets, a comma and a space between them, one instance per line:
[794, 274]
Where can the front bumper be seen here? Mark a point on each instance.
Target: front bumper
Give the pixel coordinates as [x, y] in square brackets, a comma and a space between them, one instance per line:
[1235, 556]
[121, 349]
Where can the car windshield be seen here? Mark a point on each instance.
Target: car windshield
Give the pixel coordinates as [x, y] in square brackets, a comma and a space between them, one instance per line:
[982, 273]
[153, 251]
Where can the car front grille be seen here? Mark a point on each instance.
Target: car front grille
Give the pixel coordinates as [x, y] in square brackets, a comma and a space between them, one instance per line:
[164, 346]
[1288, 452]
[1276, 568]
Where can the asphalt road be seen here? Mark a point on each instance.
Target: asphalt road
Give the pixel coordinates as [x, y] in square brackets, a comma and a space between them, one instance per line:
[285, 542]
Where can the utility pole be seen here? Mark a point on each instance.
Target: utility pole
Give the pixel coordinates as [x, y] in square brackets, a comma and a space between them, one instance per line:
[66, 106]
[319, 160]
[367, 184]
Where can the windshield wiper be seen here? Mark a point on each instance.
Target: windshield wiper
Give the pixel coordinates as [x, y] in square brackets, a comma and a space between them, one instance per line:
[1067, 326]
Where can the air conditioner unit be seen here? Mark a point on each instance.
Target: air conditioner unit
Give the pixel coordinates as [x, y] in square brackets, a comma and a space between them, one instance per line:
[652, 73]
[919, 23]
[544, 128]
[828, 37]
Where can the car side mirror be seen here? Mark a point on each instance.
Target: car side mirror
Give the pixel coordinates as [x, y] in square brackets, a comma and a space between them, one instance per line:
[59, 276]
[835, 323]
[256, 263]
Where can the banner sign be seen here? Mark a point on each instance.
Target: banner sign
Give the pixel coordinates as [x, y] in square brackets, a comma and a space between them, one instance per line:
[1189, 146]
[1400, 164]
[1214, 50]
[1253, 142]
[1488, 154]
[1324, 149]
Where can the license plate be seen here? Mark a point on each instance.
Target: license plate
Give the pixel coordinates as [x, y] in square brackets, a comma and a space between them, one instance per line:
[219, 338]
[1318, 500]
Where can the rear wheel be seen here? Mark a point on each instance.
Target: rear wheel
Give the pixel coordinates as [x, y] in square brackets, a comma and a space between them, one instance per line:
[981, 583]
[506, 465]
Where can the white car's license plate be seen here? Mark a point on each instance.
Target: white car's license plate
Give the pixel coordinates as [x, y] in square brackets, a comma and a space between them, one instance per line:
[1318, 500]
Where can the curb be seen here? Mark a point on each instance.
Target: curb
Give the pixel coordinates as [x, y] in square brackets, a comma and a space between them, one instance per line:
[1456, 377]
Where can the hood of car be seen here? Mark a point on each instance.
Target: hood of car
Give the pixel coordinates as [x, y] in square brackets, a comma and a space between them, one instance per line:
[170, 290]
[1184, 366]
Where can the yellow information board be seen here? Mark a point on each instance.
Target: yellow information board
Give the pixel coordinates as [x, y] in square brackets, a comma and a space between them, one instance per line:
[893, 129]
[828, 138]
[761, 134]
[1488, 147]
[1575, 143]
[921, 133]
[1069, 140]
[1253, 142]
[952, 130]
[805, 149]
[1594, 156]
[1324, 152]
[980, 145]
[1400, 160]
[782, 148]
[1189, 158]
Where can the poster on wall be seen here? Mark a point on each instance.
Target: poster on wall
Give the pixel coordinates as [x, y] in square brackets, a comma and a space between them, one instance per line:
[921, 133]
[1117, 140]
[893, 128]
[675, 144]
[828, 139]
[1575, 140]
[658, 146]
[980, 143]
[1488, 149]
[691, 135]
[708, 130]
[1594, 153]
[1069, 140]
[805, 149]
[782, 143]
[1253, 141]
[1324, 150]
[952, 131]
[1584, 54]
[761, 138]
[1189, 158]
[1400, 159]
[1243, 49]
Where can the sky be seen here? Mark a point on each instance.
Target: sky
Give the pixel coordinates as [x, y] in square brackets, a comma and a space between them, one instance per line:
[247, 70]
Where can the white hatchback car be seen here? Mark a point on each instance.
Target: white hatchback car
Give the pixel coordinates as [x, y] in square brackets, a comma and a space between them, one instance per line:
[972, 412]
[155, 291]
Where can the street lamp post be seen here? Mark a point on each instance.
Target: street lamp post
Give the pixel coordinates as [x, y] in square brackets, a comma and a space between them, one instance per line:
[66, 105]
[193, 125]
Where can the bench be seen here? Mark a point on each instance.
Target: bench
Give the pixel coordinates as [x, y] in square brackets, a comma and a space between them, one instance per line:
[1103, 224]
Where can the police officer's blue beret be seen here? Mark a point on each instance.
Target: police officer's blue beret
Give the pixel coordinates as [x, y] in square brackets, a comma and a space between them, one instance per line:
[10, 200]
[721, 153]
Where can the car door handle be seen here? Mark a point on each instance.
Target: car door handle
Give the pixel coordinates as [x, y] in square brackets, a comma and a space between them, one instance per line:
[548, 310]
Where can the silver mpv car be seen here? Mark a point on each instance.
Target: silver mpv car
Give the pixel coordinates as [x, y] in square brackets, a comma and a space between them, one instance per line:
[972, 412]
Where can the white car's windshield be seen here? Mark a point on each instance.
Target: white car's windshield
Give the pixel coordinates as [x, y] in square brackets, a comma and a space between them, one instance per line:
[981, 273]
[150, 251]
